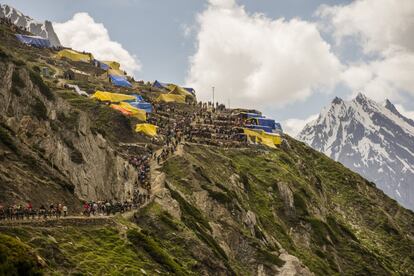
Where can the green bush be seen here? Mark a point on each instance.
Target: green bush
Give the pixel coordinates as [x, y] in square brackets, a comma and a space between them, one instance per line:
[300, 205]
[16, 91]
[190, 210]
[39, 109]
[16, 259]
[168, 220]
[71, 121]
[7, 140]
[19, 62]
[3, 55]
[17, 80]
[321, 231]
[268, 257]
[139, 239]
[43, 88]
[36, 69]
[76, 156]
[217, 196]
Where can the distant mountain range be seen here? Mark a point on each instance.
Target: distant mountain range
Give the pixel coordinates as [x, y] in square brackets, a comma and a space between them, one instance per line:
[44, 30]
[371, 139]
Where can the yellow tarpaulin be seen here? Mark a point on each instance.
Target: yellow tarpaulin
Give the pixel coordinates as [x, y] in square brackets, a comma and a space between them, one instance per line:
[74, 56]
[112, 97]
[116, 72]
[135, 112]
[177, 90]
[112, 64]
[277, 140]
[171, 98]
[260, 136]
[147, 129]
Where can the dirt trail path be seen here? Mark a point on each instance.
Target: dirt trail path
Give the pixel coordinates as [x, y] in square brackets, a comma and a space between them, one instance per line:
[68, 221]
[158, 193]
[158, 177]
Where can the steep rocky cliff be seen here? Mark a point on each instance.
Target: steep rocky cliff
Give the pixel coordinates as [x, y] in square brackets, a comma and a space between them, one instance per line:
[55, 141]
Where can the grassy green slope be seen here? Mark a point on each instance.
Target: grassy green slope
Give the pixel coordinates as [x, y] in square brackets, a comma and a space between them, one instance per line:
[339, 222]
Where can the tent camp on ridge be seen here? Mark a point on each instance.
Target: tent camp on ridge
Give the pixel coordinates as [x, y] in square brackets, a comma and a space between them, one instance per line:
[35, 41]
[119, 81]
[74, 55]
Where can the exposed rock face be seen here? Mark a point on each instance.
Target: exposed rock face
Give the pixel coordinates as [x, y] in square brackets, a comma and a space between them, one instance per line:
[44, 30]
[373, 140]
[293, 266]
[69, 151]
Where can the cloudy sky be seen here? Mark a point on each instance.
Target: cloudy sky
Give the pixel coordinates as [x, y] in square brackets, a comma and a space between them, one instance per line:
[285, 58]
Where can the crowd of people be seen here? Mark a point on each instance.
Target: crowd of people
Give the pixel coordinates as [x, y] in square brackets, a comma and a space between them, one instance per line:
[206, 123]
[107, 207]
[21, 212]
[142, 164]
[57, 211]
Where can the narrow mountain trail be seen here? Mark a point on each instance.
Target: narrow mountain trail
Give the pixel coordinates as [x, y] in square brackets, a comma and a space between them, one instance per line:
[68, 221]
[157, 193]
[158, 177]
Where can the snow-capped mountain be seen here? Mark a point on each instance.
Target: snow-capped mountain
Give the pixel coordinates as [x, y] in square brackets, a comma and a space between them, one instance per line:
[371, 139]
[44, 30]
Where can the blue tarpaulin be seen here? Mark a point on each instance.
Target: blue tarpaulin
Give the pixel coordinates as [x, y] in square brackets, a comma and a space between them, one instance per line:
[160, 85]
[119, 81]
[191, 90]
[138, 97]
[266, 122]
[36, 41]
[265, 128]
[142, 105]
[103, 66]
[252, 115]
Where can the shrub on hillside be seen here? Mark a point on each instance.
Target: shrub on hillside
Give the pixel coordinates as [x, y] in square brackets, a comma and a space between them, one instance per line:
[156, 252]
[39, 109]
[43, 88]
[16, 259]
[6, 139]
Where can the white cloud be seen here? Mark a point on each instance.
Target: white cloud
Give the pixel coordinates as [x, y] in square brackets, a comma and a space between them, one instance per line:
[256, 61]
[383, 28]
[294, 126]
[379, 25]
[82, 33]
[407, 113]
[390, 77]
[223, 3]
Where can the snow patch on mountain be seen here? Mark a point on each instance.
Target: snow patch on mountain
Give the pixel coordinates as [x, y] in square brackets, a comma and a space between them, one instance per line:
[373, 139]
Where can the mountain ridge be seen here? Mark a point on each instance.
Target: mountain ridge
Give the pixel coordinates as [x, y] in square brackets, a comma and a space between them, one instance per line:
[369, 138]
[44, 29]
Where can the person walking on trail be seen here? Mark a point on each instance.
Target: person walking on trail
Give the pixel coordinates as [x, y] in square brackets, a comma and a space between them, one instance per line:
[58, 210]
[29, 209]
[65, 210]
[108, 208]
[43, 211]
[51, 209]
[86, 209]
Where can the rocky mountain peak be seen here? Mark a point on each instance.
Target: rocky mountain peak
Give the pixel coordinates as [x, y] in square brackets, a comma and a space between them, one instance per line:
[337, 100]
[372, 139]
[363, 100]
[44, 29]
